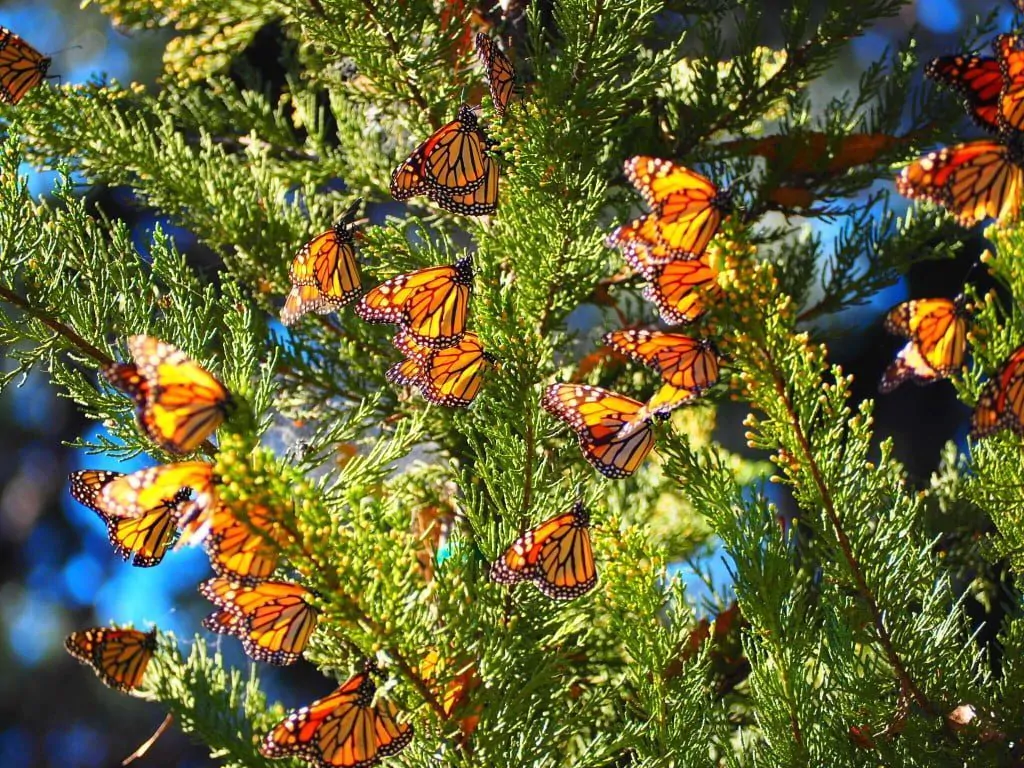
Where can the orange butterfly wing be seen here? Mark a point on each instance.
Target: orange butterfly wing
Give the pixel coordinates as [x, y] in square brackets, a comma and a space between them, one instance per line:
[977, 79]
[937, 329]
[450, 161]
[683, 362]
[343, 730]
[682, 290]
[22, 67]
[239, 549]
[324, 273]
[136, 494]
[181, 403]
[118, 656]
[556, 555]
[449, 377]
[687, 207]
[974, 181]
[501, 75]
[147, 537]
[1011, 66]
[613, 430]
[481, 201]
[1001, 403]
[275, 617]
[430, 304]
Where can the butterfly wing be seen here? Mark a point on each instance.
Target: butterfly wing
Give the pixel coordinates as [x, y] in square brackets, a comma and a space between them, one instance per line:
[238, 548]
[118, 656]
[909, 365]
[453, 376]
[451, 161]
[682, 361]
[430, 304]
[343, 730]
[977, 79]
[276, 617]
[640, 244]
[147, 537]
[501, 75]
[1011, 67]
[324, 275]
[185, 403]
[22, 67]
[556, 555]
[974, 181]
[938, 329]
[481, 201]
[1001, 403]
[682, 290]
[612, 429]
[688, 208]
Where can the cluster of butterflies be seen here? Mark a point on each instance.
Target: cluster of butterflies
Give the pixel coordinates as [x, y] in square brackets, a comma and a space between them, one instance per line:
[667, 247]
[455, 170]
[975, 180]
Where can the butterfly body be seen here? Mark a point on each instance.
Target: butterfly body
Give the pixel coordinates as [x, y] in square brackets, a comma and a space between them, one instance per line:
[324, 273]
[346, 729]
[430, 304]
[556, 555]
[22, 67]
[118, 656]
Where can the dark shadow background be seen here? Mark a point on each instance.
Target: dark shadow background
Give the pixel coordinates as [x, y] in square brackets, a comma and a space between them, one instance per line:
[57, 572]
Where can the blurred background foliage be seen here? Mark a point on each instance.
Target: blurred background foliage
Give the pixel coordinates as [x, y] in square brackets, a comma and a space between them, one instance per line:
[58, 572]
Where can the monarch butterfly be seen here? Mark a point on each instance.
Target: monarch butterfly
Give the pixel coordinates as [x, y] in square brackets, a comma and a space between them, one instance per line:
[974, 181]
[1001, 403]
[937, 330]
[481, 201]
[137, 494]
[273, 619]
[501, 75]
[178, 403]
[556, 556]
[324, 273]
[430, 304]
[118, 656]
[346, 729]
[450, 377]
[687, 207]
[977, 79]
[683, 362]
[239, 549]
[450, 161]
[613, 430]
[147, 537]
[22, 67]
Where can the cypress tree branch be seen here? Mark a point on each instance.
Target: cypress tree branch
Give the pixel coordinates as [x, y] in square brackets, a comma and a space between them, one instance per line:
[396, 50]
[906, 681]
[55, 325]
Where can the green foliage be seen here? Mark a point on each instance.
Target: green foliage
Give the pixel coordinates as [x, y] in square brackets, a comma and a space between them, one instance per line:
[854, 646]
